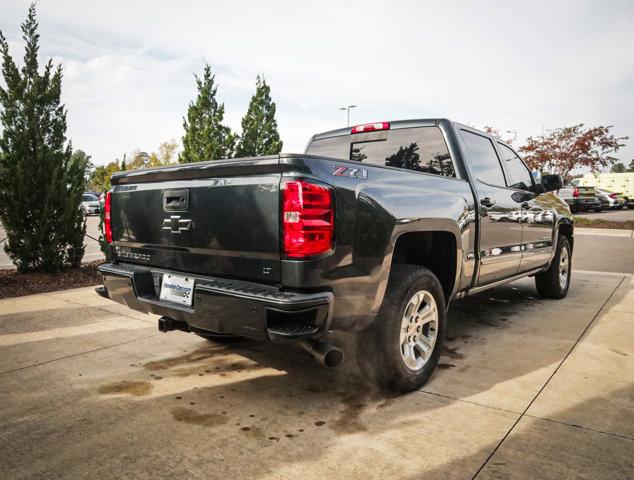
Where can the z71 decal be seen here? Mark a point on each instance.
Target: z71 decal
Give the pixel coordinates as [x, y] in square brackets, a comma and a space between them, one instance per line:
[339, 171]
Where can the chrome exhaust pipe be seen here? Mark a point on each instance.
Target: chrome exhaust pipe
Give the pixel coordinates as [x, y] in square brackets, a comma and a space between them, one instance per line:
[324, 353]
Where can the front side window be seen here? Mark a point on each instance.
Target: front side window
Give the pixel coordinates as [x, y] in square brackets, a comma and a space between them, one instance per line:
[520, 177]
[484, 160]
[421, 149]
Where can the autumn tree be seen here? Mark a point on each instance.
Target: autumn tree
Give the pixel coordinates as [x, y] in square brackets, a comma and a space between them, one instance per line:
[41, 181]
[206, 138]
[509, 139]
[139, 159]
[166, 155]
[566, 149]
[259, 127]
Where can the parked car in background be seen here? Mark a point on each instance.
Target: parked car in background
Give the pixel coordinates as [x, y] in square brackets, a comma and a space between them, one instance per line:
[615, 182]
[96, 194]
[519, 216]
[580, 199]
[539, 215]
[611, 200]
[90, 204]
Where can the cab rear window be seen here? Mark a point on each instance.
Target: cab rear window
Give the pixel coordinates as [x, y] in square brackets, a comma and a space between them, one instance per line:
[421, 149]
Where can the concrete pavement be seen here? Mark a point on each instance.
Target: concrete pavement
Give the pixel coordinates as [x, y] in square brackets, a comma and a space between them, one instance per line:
[603, 253]
[526, 388]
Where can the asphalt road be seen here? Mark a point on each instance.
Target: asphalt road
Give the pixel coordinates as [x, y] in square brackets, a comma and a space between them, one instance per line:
[92, 246]
[603, 253]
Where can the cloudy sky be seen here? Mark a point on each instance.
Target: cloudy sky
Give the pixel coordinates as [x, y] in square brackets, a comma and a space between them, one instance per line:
[129, 66]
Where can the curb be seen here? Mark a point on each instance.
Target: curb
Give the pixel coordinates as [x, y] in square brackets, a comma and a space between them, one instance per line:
[606, 232]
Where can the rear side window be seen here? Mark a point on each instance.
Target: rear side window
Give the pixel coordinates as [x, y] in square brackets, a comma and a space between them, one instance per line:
[484, 160]
[520, 176]
[421, 149]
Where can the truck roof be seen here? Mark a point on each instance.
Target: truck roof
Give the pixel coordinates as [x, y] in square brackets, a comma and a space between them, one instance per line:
[394, 124]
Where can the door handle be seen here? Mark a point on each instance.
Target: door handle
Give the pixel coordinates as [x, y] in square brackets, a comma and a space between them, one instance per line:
[487, 202]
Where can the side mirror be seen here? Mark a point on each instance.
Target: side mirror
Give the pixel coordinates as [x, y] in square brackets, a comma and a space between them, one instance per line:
[551, 183]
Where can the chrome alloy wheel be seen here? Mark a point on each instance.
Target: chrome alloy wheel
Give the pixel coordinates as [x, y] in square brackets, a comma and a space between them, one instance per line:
[419, 330]
[564, 266]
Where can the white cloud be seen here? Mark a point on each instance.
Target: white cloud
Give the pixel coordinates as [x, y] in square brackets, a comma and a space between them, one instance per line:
[515, 65]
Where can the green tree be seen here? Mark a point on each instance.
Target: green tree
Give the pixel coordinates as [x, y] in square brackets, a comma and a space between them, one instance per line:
[206, 138]
[259, 127]
[631, 166]
[100, 178]
[41, 183]
[81, 156]
[618, 168]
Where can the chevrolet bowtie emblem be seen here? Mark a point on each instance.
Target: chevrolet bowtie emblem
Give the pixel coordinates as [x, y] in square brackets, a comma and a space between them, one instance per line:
[176, 224]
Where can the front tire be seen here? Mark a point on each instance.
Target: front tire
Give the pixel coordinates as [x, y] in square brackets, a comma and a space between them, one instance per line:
[555, 282]
[400, 350]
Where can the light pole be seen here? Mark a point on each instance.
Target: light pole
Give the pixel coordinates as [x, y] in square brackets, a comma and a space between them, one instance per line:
[347, 109]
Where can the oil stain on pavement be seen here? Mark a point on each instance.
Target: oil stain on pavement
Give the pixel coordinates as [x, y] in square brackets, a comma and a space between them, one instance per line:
[128, 387]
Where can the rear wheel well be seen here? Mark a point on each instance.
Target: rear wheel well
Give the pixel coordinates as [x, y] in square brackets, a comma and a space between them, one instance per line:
[435, 251]
[565, 229]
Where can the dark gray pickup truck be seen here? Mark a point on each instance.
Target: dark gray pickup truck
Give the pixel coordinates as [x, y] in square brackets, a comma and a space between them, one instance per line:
[375, 229]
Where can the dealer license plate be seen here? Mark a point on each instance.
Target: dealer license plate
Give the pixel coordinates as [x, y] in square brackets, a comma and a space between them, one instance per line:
[177, 289]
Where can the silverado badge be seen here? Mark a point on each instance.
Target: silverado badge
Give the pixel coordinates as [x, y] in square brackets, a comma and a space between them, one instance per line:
[176, 224]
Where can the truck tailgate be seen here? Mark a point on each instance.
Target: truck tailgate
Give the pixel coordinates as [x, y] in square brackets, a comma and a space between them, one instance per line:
[218, 220]
[586, 192]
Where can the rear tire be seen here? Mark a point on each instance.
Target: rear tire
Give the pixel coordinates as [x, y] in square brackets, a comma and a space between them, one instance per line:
[555, 282]
[400, 350]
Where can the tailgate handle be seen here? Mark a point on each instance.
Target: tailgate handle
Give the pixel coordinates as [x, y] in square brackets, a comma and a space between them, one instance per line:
[176, 200]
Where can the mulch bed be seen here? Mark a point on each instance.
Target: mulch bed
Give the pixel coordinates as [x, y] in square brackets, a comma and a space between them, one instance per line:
[583, 222]
[14, 284]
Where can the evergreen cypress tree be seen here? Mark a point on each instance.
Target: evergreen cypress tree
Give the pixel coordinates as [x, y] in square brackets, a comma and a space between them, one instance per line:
[259, 127]
[206, 138]
[40, 184]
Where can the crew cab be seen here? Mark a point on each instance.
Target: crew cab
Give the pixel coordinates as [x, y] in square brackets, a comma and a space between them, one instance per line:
[374, 229]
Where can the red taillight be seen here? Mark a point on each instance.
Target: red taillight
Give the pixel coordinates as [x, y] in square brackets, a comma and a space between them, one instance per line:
[575, 192]
[107, 224]
[307, 219]
[371, 127]
[612, 195]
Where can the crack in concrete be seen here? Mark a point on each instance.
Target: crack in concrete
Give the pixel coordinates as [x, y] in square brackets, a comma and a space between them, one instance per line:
[523, 414]
[77, 354]
[100, 309]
